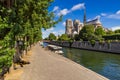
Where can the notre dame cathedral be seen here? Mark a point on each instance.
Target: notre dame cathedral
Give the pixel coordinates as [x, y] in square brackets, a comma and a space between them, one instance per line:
[74, 27]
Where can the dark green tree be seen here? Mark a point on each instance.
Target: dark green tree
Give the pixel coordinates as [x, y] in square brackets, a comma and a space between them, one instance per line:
[110, 32]
[76, 37]
[86, 32]
[117, 31]
[22, 20]
[63, 37]
[99, 31]
[52, 36]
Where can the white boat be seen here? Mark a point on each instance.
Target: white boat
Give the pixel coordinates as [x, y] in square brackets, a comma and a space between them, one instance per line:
[56, 49]
[59, 52]
[53, 47]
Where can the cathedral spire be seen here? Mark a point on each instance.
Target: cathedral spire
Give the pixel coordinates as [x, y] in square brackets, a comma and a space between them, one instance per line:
[84, 19]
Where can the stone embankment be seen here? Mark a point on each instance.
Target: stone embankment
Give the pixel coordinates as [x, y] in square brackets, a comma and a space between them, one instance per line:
[112, 47]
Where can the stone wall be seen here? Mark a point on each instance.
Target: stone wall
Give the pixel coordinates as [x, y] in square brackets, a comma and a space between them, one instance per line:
[60, 43]
[113, 47]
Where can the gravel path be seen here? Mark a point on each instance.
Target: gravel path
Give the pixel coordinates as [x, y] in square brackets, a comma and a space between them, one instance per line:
[46, 65]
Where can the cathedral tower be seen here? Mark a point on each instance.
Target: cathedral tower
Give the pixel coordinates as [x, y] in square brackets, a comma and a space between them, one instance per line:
[69, 27]
[84, 19]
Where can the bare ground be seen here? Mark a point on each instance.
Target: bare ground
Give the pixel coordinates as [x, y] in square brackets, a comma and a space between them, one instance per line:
[16, 74]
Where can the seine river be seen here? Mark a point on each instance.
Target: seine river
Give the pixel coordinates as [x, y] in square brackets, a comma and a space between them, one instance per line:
[106, 64]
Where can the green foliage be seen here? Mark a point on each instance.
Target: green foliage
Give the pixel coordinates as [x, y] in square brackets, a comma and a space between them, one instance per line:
[92, 42]
[86, 32]
[22, 21]
[117, 31]
[6, 57]
[52, 36]
[110, 32]
[89, 33]
[76, 37]
[46, 38]
[99, 31]
[63, 37]
[112, 37]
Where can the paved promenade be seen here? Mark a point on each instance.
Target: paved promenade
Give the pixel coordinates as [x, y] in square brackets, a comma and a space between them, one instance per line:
[46, 65]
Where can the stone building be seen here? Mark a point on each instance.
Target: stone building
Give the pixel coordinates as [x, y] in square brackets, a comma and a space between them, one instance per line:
[77, 25]
[96, 22]
[73, 27]
[69, 27]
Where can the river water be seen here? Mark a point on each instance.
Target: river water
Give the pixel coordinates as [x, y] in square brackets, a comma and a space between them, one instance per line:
[106, 64]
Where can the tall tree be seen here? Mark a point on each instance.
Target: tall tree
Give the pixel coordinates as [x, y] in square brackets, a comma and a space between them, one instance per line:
[63, 37]
[99, 31]
[86, 32]
[117, 31]
[22, 20]
[52, 36]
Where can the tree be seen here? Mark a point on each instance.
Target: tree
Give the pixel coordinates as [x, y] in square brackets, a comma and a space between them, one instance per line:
[76, 37]
[117, 31]
[99, 31]
[110, 32]
[63, 37]
[52, 36]
[86, 32]
[22, 20]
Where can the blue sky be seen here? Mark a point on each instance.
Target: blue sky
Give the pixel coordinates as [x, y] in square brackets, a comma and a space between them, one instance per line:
[107, 10]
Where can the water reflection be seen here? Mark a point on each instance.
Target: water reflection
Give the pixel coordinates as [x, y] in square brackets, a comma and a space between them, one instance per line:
[105, 64]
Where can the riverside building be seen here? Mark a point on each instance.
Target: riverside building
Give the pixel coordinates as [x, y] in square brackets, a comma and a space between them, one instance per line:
[74, 27]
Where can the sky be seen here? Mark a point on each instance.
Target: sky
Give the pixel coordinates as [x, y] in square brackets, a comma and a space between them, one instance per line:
[107, 10]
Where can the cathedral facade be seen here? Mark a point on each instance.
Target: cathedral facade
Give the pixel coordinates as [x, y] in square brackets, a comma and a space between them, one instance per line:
[96, 22]
[73, 27]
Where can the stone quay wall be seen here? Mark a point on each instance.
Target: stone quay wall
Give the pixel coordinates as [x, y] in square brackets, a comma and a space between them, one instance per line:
[112, 47]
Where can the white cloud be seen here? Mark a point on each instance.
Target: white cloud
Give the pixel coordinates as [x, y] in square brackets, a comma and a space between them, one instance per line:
[54, 32]
[115, 28]
[61, 31]
[98, 16]
[63, 12]
[64, 23]
[115, 16]
[118, 12]
[51, 29]
[47, 32]
[103, 14]
[89, 20]
[78, 6]
[56, 8]
[112, 16]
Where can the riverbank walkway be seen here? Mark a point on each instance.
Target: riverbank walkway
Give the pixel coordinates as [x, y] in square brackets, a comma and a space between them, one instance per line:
[46, 65]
